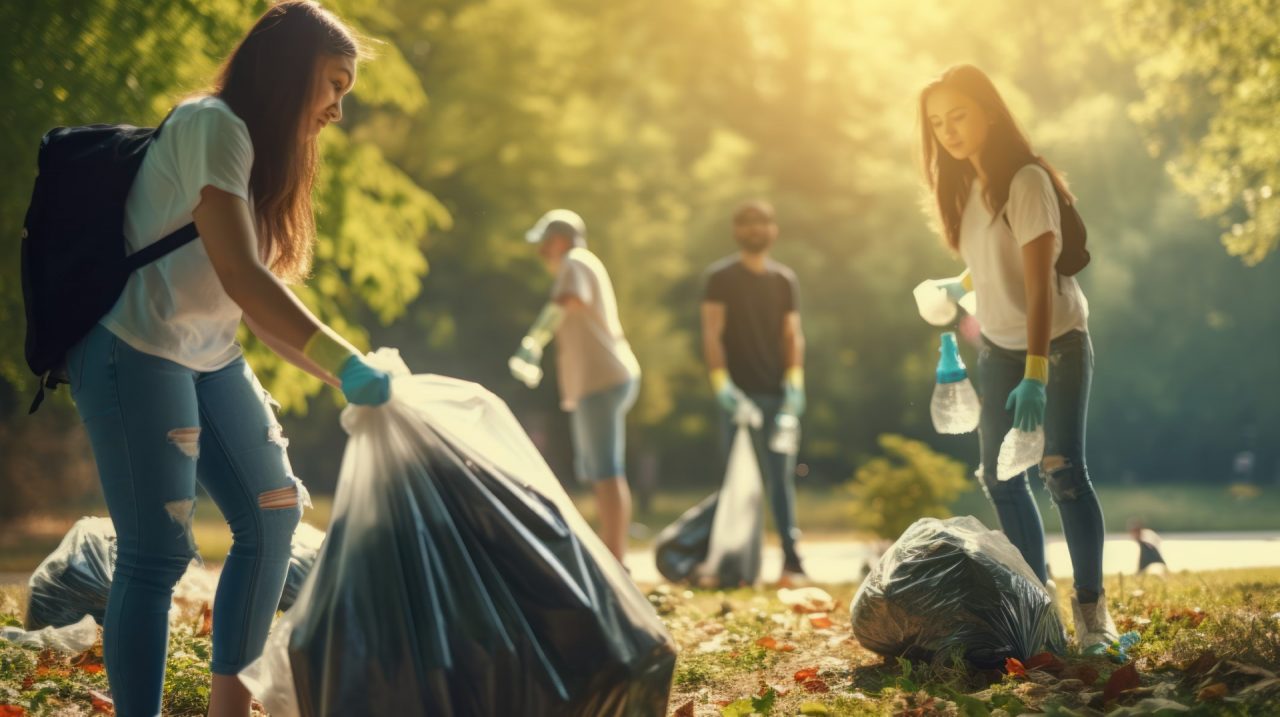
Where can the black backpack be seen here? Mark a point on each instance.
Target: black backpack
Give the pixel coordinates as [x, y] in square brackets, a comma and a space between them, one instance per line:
[74, 263]
[1074, 257]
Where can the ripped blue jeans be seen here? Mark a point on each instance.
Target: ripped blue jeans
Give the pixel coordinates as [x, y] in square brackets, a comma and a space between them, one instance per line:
[1063, 469]
[157, 427]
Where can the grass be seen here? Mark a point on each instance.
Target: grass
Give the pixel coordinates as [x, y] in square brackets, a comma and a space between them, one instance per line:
[823, 514]
[1210, 643]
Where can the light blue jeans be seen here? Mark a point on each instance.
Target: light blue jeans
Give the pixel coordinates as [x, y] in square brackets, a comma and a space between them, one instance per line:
[156, 428]
[1064, 470]
[778, 471]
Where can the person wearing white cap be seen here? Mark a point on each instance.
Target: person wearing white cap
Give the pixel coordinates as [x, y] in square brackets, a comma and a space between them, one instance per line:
[599, 375]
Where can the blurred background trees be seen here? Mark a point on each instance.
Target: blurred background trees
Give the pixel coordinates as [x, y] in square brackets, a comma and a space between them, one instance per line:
[653, 119]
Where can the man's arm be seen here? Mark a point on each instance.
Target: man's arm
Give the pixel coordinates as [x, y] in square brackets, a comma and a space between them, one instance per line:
[713, 335]
[792, 341]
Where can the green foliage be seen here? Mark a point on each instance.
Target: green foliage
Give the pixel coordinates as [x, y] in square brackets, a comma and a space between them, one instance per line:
[1211, 76]
[910, 482]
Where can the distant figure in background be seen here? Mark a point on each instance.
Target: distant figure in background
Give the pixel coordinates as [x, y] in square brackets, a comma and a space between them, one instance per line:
[1148, 548]
[599, 375]
[754, 348]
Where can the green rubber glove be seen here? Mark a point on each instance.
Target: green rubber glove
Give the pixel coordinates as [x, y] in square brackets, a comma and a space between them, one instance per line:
[1027, 400]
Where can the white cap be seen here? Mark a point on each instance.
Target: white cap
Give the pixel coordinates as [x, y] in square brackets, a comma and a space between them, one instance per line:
[563, 221]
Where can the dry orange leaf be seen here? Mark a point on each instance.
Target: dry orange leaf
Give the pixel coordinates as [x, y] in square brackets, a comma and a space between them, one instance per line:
[102, 704]
[1125, 678]
[206, 621]
[1047, 662]
[1014, 666]
[815, 685]
[12, 711]
[820, 622]
[1213, 692]
[807, 673]
[769, 643]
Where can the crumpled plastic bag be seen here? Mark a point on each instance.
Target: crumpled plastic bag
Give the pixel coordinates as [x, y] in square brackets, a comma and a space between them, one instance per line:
[71, 639]
[718, 542]
[75, 579]
[949, 587]
[457, 578]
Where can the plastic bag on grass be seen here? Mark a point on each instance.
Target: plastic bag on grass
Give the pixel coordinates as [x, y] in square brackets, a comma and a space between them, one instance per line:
[71, 639]
[953, 587]
[717, 543]
[75, 579]
[457, 578]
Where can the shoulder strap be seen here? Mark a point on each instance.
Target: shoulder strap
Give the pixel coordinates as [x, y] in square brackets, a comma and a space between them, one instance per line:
[160, 248]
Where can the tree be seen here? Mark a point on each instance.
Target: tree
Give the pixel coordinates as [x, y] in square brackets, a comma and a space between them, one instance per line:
[909, 482]
[1210, 71]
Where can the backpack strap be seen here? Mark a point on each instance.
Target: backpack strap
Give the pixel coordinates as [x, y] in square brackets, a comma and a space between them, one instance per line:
[154, 251]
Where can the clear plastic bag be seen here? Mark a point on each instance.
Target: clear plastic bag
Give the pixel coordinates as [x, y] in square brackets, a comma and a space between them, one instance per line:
[952, 587]
[70, 639]
[718, 542]
[75, 579]
[457, 578]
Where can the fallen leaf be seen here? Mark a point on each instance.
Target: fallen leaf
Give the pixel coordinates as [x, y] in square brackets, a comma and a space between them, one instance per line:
[807, 673]
[1213, 692]
[815, 685]
[102, 704]
[1014, 666]
[685, 710]
[1125, 678]
[1046, 662]
[820, 621]
[90, 660]
[770, 643]
[12, 711]
[1201, 664]
[206, 621]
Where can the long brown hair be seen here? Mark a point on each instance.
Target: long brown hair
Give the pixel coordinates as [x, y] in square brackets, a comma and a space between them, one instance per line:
[267, 81]
[1007, 150]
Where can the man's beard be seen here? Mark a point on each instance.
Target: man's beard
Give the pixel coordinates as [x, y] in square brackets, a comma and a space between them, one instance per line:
[754, 244]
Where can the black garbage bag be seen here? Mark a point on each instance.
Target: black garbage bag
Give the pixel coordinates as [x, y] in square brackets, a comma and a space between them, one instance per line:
[952, 587]
[74, 580]
[682, 546]
[457, 579]
[718, 542]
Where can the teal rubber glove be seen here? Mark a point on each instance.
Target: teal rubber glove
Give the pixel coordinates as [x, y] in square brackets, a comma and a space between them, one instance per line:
[1027, 401]
[728, 394]
[793, 396]
[529, 353]
[364, 385]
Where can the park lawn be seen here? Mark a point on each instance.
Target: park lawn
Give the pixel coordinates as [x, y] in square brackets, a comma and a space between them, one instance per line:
[823, 515]
[1210, 643]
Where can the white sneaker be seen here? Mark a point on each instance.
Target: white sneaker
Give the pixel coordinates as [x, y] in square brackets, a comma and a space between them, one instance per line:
[1095, 631]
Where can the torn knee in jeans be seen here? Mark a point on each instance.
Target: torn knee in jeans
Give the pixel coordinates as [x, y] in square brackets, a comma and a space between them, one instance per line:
[182, 512]
[186, 440]
[1067, 481]
[286, 497]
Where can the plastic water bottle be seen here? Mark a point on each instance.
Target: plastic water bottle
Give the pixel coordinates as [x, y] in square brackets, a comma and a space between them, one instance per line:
[529, 373]
[955, 408]
[786, 435]
[1019, 451]
[933, 303]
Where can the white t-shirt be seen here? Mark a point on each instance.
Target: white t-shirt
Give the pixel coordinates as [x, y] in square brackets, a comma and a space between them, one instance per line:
[592, 354]
[175, 307]
[993, 253]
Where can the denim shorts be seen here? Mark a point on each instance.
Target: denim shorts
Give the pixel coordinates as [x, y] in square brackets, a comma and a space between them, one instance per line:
[599, 426]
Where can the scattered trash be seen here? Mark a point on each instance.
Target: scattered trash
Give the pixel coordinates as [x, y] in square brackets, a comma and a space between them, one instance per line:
[458, 578]
[806, 600]
[70, 639]
[952, 587]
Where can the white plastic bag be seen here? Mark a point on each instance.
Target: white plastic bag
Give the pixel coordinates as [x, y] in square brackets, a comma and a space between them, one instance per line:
[734, 551]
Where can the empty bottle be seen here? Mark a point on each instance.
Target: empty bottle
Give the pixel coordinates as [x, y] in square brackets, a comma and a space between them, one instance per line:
[786, 435]
[1019, 451]
[933, 303]
[529, 373]
[955, 408]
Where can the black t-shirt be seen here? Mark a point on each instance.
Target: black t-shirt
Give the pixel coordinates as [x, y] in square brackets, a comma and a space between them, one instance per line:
[755, 310]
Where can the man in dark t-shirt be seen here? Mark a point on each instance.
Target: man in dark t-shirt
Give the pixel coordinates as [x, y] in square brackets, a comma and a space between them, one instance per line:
[754, 348]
